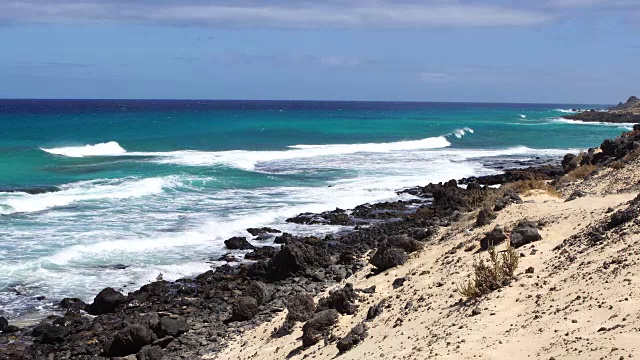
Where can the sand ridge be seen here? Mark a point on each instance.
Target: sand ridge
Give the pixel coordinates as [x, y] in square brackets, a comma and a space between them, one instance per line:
[579, 302]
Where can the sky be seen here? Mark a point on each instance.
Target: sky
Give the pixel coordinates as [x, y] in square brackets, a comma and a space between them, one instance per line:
[549, 51]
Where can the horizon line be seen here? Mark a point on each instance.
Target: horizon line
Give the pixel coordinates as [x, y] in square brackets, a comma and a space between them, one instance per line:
[298, 100]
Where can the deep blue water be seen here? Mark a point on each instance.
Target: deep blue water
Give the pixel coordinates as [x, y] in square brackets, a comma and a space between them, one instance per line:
[158, 185]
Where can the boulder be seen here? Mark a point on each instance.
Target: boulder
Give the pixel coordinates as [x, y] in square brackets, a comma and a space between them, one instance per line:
[50, 333]
[72, 304]
[318, 327]
[405, 243]
[388, 257]
[524, 233]
[106, 302]
[301, 308]
[296, 256]
[129, 341]
[493, 238]
[375, 310]
[259, 291]
[343, 300]
[353, 338]
[507, 199]
[238, 243]
[399, 282]
[168, 326]
[3, 323]
[150, 353]
[245, 308]
[569, 163]
[485, 217]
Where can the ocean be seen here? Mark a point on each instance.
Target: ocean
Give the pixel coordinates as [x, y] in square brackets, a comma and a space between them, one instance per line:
[114, 193]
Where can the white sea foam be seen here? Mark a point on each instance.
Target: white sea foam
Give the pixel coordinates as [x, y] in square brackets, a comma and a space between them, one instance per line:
[626, 126]
[523, 116]
[77, 192]
[110, 148]
[247, 160]
[568, 111]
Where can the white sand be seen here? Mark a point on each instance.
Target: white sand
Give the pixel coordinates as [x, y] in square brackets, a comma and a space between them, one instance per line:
[564, 310]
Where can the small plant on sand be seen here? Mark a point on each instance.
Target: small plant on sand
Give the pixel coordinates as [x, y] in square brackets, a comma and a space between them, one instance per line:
[490, 275]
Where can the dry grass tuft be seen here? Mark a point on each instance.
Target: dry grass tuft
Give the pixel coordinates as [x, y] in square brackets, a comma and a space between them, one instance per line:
[490, 275]
[526, 186]
[580, 173]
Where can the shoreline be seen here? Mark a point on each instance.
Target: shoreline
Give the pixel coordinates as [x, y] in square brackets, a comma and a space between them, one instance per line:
[220, 298]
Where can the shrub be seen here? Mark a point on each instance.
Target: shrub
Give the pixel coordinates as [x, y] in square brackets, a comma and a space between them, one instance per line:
[490, 275]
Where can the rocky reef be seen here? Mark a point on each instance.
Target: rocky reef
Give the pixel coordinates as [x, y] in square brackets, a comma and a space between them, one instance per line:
[628, 112]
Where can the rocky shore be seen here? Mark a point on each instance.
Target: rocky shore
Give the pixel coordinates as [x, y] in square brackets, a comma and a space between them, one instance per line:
[628, 112]
[199, 317]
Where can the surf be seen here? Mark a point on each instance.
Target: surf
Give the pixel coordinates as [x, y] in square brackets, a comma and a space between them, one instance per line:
[247, 160]
[110, 148]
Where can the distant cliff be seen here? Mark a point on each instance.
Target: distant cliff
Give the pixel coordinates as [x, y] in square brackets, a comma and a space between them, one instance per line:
[628, 112]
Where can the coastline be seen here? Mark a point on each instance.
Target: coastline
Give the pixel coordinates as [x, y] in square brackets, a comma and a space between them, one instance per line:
[197, 317]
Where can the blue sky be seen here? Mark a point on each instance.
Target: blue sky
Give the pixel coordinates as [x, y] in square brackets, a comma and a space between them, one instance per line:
[573, 51]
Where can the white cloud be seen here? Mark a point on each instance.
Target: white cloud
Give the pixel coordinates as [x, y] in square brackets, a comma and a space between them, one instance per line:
[251, 14]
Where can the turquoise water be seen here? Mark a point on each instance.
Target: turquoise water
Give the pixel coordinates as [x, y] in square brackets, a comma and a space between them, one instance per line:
[157, 186]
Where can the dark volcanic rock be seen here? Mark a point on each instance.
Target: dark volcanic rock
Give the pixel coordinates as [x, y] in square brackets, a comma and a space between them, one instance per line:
[3, 323]
[632, 102]
[128, 341]
[575, 195]
[606, 116]
[244, 308]
[570, 162]
[524, 233]
[283, 239]
[263, 230]
[375, 310]
[493, 238]
[168, 326]
[106, 302]
[238, 243]
[387, 258]
[318, 327]
[298, 255]
[73, 303]
[262, 253]
[485, 217]
[343, 300]
[353, 338]
[259, 291]
[150, 353]
[405, 243]
[301, 308]
[33, 190]
[50, 333]
[507, 199]
[625, 215]
[544, 172]
[399, 282]
[335, 217]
